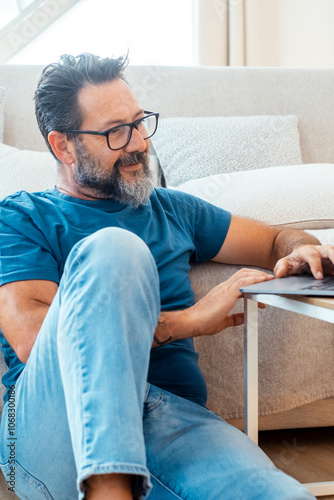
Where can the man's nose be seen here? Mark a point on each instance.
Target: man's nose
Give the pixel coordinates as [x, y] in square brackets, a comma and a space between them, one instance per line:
[136, 143]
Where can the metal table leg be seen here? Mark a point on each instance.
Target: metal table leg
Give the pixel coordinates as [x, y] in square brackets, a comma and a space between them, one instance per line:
[251, 396]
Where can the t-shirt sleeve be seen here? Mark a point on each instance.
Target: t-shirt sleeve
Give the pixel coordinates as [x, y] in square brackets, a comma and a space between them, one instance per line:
[24, 250]
[207, 224]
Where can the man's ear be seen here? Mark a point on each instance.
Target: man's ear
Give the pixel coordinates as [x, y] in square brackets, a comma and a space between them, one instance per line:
[62, 147]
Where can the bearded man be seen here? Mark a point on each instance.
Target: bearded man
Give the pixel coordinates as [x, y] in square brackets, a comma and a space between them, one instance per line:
[97, 313]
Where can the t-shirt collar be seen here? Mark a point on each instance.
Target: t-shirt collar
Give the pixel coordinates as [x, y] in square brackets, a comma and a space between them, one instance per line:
[107, 205]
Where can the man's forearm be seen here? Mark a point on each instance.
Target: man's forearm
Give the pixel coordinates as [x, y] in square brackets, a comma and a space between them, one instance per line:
[209, 315]
[287, 240]
[172, 326]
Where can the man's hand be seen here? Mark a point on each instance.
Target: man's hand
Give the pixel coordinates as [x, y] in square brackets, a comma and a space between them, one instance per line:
[317, 259]
[211, 314]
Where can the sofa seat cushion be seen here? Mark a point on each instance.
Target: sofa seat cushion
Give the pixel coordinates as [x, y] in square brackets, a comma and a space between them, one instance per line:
[298, 196]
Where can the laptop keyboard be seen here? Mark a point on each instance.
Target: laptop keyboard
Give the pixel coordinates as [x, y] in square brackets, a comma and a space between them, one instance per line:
[326, 284]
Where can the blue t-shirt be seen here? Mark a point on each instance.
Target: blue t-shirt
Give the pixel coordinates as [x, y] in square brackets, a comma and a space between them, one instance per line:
[38, 230]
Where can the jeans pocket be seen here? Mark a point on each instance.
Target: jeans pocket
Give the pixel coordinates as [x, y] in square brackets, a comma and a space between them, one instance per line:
[23, 484]
[155, 398]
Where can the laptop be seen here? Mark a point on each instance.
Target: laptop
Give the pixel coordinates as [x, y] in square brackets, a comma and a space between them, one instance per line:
[302, 284]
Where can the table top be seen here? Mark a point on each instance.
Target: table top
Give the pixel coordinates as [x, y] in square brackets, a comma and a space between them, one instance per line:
[326, 302]
[297, 303]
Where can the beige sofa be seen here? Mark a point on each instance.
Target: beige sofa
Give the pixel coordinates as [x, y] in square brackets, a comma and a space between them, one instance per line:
[296, 354]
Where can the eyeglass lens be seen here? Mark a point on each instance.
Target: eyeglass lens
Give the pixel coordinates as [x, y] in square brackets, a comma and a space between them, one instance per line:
[120, 136]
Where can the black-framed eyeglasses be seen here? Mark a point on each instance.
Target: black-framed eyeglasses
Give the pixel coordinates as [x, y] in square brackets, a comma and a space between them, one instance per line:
[119, 137]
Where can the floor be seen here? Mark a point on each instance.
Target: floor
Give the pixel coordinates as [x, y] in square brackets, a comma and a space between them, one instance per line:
[306, 454]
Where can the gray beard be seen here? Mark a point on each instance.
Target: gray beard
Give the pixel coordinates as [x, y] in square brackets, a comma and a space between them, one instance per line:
[110, 184]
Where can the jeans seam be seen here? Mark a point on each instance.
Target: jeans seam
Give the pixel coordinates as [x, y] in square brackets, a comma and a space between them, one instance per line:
[166, 487]
[76, 343]
[36, 483]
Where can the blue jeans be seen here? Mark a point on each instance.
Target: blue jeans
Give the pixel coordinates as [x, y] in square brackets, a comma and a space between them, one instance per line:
[83, 404]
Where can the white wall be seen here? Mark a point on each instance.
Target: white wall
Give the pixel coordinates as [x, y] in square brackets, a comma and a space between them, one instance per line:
[293, 33]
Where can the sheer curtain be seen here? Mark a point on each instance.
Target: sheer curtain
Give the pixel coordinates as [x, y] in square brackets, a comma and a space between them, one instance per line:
[219, 28]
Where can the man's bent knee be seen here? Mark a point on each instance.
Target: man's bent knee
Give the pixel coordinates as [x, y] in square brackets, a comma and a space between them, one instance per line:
[114, 250]
[111, 240]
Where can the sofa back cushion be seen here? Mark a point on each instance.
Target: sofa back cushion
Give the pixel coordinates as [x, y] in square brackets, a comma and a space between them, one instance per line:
[199, 91]
[191, 148]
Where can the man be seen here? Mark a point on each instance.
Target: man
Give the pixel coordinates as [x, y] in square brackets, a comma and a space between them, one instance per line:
[95, 301]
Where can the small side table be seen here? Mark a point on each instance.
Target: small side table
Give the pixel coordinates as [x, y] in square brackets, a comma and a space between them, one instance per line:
[316, 307]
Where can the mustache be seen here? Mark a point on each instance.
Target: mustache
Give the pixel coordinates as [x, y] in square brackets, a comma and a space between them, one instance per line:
[132, 159]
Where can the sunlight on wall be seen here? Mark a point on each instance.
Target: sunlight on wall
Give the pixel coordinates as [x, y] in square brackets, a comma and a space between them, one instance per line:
[154, 32]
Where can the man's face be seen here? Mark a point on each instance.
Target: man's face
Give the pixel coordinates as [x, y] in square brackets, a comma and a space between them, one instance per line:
[122, 175]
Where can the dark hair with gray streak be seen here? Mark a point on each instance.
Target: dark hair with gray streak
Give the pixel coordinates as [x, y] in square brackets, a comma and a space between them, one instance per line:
[56, 96]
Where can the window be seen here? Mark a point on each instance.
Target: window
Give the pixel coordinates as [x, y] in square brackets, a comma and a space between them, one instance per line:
[154, 31]
[10, 9]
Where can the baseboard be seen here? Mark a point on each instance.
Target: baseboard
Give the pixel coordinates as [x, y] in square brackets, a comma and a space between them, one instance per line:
[316, 414]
